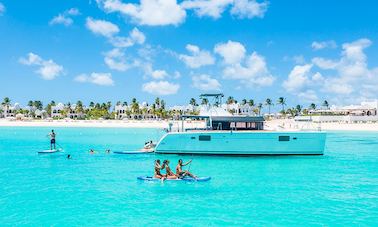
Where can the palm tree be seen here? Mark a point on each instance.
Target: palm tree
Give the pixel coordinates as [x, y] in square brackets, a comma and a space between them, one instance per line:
[325, 104]
[298, 108]
[281, 101]
[312, 106]
[124, 104]
[91, 104]
[6, 102]
[204, 101]
[134, 106]
[251, 102]
[259, 107]
[118, 103]
[230, 100]
[157, 102]
[79, 107]
[269, 103]
[244, 101]
[38, 105]
[193, 102]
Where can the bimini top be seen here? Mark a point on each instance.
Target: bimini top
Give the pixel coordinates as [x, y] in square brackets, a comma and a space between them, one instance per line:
[238, 118]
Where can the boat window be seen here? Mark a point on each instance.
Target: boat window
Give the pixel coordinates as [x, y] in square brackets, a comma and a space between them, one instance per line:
[204, 138]
[284, 138]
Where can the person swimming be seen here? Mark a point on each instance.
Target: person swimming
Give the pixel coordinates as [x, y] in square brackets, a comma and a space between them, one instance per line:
[91, 151]
[169, 173]
[183, 173]
[157, 168]
[69, 156]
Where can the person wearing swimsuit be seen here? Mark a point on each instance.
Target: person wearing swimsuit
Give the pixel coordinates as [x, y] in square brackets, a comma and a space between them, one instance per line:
[52, 139]
[158, 167]
[170, 174]
[183, 173]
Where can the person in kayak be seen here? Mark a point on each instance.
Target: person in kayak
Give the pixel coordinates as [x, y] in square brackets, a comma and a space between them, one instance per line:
[183, 173]
[52, 139]
[157, 168]
[170, 174]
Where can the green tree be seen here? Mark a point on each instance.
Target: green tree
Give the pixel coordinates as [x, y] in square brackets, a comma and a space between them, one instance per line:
[259, 108]
[230, 100]
[193, 102]
[204, 101]
[269, 103]
[299, 109]
[251, 102]
[312, 106]
[281, 101]
[244, 101]
[325, 104]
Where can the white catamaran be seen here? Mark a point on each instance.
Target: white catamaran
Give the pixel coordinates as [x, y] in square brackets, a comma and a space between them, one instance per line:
[238, 135]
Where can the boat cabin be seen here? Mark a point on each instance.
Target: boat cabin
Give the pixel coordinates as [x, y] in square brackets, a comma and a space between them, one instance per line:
[237, 123]
[228, 123]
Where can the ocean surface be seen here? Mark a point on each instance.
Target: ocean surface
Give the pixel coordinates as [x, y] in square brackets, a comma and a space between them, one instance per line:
[339, 188]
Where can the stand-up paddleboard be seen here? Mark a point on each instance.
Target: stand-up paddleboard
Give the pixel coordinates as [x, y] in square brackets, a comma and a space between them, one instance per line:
[134, 152]
[50, 151]
[199, 179]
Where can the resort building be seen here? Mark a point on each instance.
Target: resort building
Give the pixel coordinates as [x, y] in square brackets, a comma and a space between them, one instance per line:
[9, 110]
[73, 112]
[365, 112]
[57, 110]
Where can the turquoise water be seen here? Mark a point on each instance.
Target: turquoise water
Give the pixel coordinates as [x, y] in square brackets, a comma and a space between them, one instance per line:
[339, 188]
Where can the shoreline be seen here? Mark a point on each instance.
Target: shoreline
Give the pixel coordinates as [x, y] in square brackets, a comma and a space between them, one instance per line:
[277, 124]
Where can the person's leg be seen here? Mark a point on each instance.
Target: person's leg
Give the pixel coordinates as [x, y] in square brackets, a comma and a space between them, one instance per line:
[54, 145]
[50, 145]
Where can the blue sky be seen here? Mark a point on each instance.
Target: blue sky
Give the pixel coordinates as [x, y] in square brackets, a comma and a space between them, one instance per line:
[306, 51]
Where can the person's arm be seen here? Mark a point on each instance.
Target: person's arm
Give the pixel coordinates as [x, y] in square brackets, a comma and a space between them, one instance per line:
[187, 163]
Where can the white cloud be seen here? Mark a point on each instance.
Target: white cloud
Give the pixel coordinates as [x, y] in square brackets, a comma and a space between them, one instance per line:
[197, 58]
[148, 12]
[324, 44]
[170, 12]
[102, 27]
[159, 74]
[73, 12]
[2, 8]
[346, 79]
[253, 72]
[249, 8]
[206, 83]
[135, 37]
[352, 70]
[115, 60]
[48, 69]
[103, 79]
[232, 52]
[161, 88]
[209, 8]
[61, 19]
[65, 18]
[308, 96]
[298, 77]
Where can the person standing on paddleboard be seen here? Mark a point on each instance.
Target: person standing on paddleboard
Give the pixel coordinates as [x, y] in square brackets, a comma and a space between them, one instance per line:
[52, 139]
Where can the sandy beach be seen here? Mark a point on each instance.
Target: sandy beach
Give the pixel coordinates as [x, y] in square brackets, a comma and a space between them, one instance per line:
[277, 124]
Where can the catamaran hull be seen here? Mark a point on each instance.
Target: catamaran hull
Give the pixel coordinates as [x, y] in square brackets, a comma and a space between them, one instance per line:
[243, 143]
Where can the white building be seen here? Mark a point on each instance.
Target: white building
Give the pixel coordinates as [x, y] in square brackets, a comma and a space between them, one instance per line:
[365, 112]
[56, 111]
[10, 110]
[121, 111]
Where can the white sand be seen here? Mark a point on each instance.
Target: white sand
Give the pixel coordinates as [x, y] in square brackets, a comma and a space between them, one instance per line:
[290, 124]
[281, 124]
